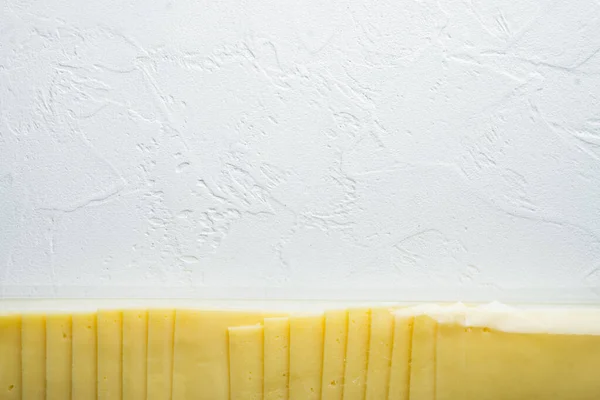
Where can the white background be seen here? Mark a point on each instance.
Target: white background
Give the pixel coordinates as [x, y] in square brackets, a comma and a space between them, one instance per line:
[399, 150]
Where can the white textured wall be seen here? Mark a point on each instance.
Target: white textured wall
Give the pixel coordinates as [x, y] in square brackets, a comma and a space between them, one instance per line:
[397, 146]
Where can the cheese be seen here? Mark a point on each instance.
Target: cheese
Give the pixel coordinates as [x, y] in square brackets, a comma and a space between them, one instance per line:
[401, 352]
[380, 353]
[357, 351]
[135, 359]
[58, 356]
[10, 357]
[306, 355]
[161, 324]
[109, 355]
[33, 356]
[84, 373]
[201, 361]
[276, 358]
[334, 354]
[422, 371]
[246, 347]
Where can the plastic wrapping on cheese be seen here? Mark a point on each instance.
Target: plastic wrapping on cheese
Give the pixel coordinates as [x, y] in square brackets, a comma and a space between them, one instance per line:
[396, 353]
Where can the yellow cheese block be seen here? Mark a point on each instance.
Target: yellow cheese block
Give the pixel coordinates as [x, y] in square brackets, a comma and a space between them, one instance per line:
[423, 352]
[246, 347]
[58, 357]
[201, 360]
[401, 353]
[10, 357]
[161, 325]
[380, 353]
[109, 355]
[135, 358]
[276, 358]
[33, 356]
[357, 351]
[334, 354]
[502, 365]
[306, 356]
[85, 373]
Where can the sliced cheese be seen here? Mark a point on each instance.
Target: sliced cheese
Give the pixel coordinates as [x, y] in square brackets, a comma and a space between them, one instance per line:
[109, 355]
[201, 360]
[33, 356]
[334, 354]
[357, 350]
[306, 356]
[381, 341]
[161, 325]
[276, 358]
[85, 352]
[401, 352]
[135, 360]
[246, 349]
[10, 357]
[423, 352]
[58, 356]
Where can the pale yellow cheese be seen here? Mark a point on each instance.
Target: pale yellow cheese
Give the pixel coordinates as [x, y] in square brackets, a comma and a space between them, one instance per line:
[10, 357]
[451, 357]
[85, 373]
[33, 356]
[334, 354]
[357, 350]
[109, 355]
[401, 352]
[276, 358]
[380, 353]
[246, 347]
[201, 361]
[58, 356]
[306, 356]
[423, 354]
[135, 345]
[161, 325]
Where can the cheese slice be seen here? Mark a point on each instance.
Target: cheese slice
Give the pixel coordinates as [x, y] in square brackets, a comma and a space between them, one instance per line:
[423, 354]
[357, 351]
[246, 348]
[401, 353]
[306, 356]
[276, 358]
[201, 358]
[109, 355]
[33, 356]
[58, 356]
[381, 340]
[161, 325]
[334, 354]
[135, 360]
[84, 373]
[10, 357]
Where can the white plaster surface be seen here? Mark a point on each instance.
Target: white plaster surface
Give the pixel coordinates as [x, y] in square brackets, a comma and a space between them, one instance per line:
[385, 149]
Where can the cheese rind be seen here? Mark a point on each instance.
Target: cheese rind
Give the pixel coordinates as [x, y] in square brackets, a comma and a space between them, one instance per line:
[306, 355]
[334, 354]
[135, 359]
[357, 350]
[381, 340]
[246, 352]
[401, 352]
[423, 354]
[10, 357]
[161, 325]
[276, 358]
[85, 372]
[58, 356]
[33, 356]
[110, 355]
